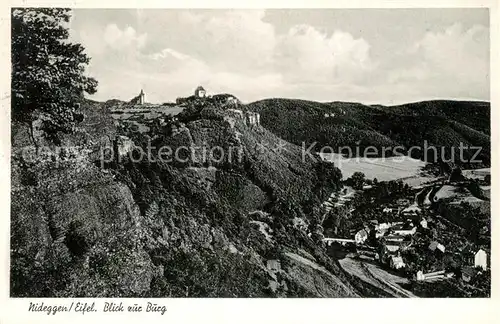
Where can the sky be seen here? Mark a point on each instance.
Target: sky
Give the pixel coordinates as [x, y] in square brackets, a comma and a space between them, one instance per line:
[385, 56]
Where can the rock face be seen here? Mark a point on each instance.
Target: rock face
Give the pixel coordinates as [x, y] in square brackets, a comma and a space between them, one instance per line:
[78, 235]
[80, 226]
[163, 228]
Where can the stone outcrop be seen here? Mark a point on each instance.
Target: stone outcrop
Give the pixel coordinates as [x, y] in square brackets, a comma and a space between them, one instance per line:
[160, 228]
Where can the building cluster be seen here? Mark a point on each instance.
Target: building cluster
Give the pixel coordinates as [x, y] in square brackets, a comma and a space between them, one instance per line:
[477, 262]
[226, 101]
[223, 99]
[333, 114]
[385, 242]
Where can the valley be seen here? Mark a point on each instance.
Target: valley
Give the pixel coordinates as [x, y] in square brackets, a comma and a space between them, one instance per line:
[249, 208]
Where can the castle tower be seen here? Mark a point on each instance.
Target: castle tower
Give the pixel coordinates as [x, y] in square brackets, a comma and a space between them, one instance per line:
[142, 98]
[200, 92]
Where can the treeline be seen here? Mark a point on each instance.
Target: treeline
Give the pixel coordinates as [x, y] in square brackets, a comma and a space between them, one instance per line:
[477, 225]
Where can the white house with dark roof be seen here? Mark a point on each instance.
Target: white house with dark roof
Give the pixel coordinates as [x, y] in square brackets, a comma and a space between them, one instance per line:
[436, 245]
[481, 259]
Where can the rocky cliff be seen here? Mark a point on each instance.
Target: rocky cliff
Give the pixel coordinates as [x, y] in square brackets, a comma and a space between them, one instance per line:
[190, 228]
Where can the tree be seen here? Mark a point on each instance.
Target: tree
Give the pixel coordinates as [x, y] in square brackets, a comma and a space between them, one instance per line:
[48, 80]
[456, 174]
[329, 177]
[357, 180]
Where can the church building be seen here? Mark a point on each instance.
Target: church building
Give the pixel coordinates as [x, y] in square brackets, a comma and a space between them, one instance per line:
[139, 100]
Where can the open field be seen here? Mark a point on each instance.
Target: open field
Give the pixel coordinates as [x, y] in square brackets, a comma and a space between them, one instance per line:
[456, 195]
[477, 173]
[384, 169]
[447, 192]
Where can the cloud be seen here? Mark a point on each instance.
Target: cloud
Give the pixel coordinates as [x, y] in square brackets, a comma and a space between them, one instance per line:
[170, 61]
[118, 39]
[310, 55]
[453, 46]
[236, 40]
[100, 41]
[170, 52]
[168, 74]
[450, 63]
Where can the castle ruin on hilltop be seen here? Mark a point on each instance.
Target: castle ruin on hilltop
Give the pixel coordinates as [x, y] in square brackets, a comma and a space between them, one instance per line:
[226, 101]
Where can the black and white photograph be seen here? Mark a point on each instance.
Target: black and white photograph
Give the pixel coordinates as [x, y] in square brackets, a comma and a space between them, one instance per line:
[249, 153]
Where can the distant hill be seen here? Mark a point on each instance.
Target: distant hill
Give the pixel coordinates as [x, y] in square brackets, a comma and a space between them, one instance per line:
[442, 123]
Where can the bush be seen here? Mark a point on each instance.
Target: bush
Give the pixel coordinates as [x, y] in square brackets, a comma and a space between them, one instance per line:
[357, 180]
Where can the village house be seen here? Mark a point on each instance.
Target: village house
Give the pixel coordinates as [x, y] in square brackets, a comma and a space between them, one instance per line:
[361, 236]
[400, 230]
[468, 273]
[440, 274]
[225, 99]
[411, 210]
[389, 249]
[232, 101]
[434, 245]
[382, 226]
[423, 223]
[394, 238]
[480, 259]
[484, 230]
[273, 265]
[396, 262]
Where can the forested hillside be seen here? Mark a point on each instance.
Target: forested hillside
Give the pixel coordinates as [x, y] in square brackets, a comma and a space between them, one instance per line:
[443, 124]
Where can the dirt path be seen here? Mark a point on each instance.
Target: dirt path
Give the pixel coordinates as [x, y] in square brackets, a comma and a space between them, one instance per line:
[389, 280]
[376, 276]
[353, 267]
